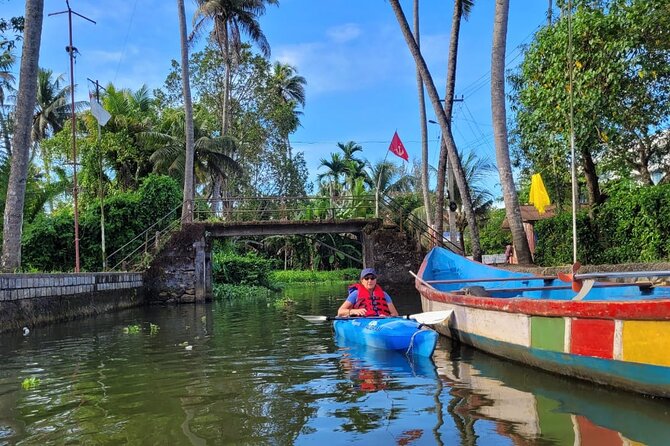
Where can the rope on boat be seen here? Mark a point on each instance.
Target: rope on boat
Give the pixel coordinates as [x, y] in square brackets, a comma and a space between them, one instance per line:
[411, 341]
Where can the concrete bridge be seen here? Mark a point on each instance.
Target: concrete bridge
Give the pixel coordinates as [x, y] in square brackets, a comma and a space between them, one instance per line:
[182, 271]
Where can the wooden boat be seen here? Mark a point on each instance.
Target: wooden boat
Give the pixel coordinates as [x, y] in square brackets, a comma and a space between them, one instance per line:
[392, 333]
[616, 334]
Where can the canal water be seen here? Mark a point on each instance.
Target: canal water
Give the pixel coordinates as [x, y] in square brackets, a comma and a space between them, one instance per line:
[252, 372]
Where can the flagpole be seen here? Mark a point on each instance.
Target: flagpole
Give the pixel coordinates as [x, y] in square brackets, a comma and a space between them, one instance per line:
[379, 180]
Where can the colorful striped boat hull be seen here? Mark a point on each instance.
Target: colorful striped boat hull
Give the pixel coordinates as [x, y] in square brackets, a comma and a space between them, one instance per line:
[404, 335]
[618, 337]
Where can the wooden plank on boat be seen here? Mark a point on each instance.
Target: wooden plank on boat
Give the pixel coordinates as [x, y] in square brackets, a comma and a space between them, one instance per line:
[641, 285]
[494, 279]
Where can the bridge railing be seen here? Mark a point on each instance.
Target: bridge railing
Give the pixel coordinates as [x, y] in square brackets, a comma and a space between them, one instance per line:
[394, 211]
[242, 209]
[135, 254]
[320, 208]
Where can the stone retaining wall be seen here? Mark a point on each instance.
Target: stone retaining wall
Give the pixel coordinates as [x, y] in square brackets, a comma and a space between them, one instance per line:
[27, 300]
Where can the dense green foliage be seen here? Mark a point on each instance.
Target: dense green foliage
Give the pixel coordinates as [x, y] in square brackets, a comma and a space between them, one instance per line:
[492, 235]
[48, 241]
[617, 53]
[235, 269]
[632, 225]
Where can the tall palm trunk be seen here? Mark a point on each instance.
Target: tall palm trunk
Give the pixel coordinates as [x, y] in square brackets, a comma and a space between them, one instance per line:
[424, 129]
[189, 187]
[500, 132]
[448, 111]
[454, 160]
[25, 106]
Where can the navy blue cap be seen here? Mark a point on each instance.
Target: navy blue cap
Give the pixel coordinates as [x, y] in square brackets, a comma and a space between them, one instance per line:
[368, 272]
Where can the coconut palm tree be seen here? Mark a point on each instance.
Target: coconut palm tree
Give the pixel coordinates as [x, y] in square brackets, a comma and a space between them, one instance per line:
[213, 156]
[189, 185]
[25, 104]
[444, 126]
[512, 209]
[461, 11]
[335, 170]
[289, 89]
[354, 167]
[477, 170]
[132, 115]
[391, 178]
[424, 127]
[52, 109]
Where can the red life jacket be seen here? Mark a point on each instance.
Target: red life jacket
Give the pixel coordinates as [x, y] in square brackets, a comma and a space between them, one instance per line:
[375, 304]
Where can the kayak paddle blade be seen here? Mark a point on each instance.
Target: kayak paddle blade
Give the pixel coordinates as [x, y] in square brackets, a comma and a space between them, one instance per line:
[432, 317]
[315, 319]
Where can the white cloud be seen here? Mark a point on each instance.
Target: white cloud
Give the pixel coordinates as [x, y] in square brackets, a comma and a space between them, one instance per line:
[344, 33]
[344, 62]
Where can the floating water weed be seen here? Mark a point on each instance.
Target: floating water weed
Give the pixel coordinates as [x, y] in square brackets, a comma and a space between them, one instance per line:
[153, 328]
[132, 329]
[30, 383]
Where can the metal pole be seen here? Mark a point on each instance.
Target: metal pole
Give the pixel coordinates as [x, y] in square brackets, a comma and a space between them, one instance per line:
[102, 185]
[71, 49]
[573, 164]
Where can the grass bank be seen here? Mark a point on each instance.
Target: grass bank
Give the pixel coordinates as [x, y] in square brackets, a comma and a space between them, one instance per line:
[298, 276]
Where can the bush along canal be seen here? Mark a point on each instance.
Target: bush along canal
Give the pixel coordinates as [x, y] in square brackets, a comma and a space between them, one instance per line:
[249, 371]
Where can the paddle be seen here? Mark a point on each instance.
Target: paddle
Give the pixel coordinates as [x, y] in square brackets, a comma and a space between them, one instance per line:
[426, 318]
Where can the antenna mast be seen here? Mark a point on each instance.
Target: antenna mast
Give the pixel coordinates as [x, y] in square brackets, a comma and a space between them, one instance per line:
[71, 50]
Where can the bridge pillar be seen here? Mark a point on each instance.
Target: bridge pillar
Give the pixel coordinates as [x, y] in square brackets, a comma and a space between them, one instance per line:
[368, 249]
[202, 271]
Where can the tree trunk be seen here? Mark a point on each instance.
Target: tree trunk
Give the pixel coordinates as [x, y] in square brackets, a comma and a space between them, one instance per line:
[25, 106]
[591, 178]
[500, 132]
[422, 123]
[448, 111]
[444, 126]
[189, 186]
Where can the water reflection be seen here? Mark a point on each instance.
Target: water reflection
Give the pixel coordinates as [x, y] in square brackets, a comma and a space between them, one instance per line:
[257, 374]
[528, 406]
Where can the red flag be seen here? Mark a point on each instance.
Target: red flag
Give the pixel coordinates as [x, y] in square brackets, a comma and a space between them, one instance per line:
[397, 148]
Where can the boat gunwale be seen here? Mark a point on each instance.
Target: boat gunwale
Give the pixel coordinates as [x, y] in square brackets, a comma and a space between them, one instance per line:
[647, 309]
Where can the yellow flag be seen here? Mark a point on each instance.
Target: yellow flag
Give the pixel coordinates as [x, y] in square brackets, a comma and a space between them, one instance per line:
[538, 194]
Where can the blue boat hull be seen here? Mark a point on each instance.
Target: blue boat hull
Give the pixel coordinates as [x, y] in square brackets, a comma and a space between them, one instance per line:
[397, 334]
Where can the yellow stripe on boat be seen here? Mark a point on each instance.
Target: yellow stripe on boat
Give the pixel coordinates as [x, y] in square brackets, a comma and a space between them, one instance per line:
[647, 342]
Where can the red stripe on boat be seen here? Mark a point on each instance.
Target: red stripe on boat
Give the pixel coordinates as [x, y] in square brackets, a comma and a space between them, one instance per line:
[592, 337]
[634, 309]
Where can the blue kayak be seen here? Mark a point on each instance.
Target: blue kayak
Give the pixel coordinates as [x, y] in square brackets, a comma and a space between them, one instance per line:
[391, 333]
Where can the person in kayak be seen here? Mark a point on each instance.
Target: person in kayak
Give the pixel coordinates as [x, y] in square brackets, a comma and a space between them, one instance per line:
[367, 298]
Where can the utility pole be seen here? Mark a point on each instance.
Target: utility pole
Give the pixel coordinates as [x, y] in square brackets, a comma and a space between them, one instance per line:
[451, 212]
[71, 50]
[101, 192]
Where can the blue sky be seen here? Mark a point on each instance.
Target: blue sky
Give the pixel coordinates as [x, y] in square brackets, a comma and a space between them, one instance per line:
[361, 81]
